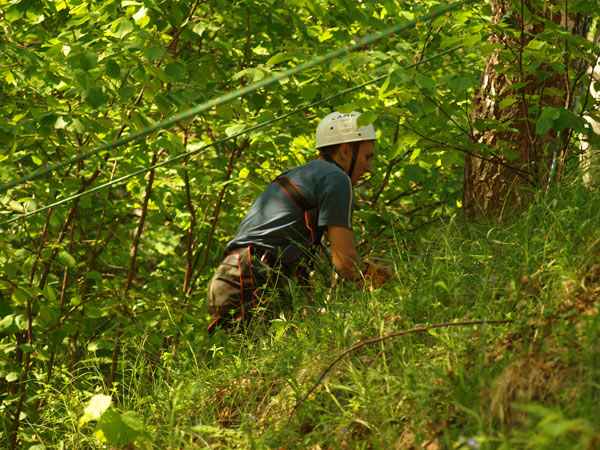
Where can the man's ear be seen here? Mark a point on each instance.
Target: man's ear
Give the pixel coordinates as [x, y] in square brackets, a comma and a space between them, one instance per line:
[345, 151]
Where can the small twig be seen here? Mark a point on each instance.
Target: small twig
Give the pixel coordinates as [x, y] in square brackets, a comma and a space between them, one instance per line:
[496, 159]
[443, 111]
[175, 39]
[531, 140]
[235, 153]
[384, 337]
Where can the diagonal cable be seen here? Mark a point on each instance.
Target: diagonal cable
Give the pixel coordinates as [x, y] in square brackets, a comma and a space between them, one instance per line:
[220, 141]
[230, 96]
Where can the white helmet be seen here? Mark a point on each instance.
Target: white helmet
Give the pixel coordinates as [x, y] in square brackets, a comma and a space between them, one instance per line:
[337, 128]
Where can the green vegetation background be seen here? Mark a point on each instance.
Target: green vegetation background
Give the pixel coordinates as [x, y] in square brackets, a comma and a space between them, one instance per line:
[102, 321]
[530, 383]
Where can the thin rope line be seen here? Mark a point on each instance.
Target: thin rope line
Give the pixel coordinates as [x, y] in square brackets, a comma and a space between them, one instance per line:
[220, 141]
[230, 96]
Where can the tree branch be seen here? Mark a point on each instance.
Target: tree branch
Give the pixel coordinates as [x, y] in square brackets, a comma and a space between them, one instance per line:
[496, 159]
[235, 152]
[383, 338]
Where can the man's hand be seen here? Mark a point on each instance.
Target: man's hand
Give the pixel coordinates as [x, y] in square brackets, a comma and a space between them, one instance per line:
[375, 276]
[346, 261]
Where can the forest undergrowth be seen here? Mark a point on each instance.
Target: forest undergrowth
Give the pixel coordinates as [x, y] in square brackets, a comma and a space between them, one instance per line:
[532, 381]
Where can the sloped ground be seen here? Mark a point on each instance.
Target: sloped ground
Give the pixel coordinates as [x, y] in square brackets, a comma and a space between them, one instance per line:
[533, 382]
[530, 383]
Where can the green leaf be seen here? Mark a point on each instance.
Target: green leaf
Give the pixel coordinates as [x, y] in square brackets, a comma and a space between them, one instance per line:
[6, 322]
[449, 158]
[507, 102]
[560, 427]
[510, 154]
[442, 285]
[200, 28]
[234, 129]
[45, 315]
[95, 97]
[535, 45]
[22, 322]
[154, 53]
[141, 17]
[20, 296]
[97, 405]
[565, 119]
[93, 312]
[124, 28]
[413, 173]
[12, 376]
[415, 107]
[99, 345]
[119, 430]
[12, 13]
[309, 92]
[347, 108]
[88, 61]
[240, 74]
[49, 293]
[255, 75]
[449, 41]
[426, 84]
[546, 120]
[60, 123]
[461, 84]
[479, 124]
[516, 86]
[279, 57]
[65, 258]
[112, 69]
[26, 348]
[225, 111]
[366, 118]
[175, 71]
[133, 420]
[76, 126]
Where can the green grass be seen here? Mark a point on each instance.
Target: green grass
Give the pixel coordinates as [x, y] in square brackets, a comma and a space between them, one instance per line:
[532, 383]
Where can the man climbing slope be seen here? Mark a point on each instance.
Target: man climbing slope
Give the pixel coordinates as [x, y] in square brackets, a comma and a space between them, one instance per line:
[286, 222]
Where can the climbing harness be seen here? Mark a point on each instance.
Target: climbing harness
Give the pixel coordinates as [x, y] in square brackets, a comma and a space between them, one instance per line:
[240, 279]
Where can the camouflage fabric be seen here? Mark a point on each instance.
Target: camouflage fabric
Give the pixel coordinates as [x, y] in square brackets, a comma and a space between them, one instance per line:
[233, 284]
[237, 288]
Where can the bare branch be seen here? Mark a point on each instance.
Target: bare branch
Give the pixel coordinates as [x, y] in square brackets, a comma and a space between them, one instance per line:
[388, 336]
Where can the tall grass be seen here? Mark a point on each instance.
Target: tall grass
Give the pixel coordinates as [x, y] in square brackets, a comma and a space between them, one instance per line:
[531, 383]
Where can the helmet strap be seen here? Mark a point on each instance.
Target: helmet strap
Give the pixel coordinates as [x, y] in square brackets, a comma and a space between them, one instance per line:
[356, 146]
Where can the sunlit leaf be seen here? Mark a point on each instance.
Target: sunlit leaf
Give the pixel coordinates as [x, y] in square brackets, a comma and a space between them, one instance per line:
[66, 258]
[366, 118]
[124, 28]
[278, 58]
[97, 405]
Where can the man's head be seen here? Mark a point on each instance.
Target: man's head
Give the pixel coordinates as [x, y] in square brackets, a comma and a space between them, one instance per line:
[339, 139]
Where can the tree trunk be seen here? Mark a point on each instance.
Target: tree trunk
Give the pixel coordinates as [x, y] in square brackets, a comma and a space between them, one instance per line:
[516, 159]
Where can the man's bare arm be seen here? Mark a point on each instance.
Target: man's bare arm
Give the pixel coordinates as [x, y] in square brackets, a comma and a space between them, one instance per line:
[343, 252]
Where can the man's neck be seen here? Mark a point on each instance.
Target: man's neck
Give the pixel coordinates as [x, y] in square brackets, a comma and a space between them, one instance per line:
[331, 160]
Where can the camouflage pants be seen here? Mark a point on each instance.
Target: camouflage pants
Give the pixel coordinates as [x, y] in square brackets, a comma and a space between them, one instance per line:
[238, 286]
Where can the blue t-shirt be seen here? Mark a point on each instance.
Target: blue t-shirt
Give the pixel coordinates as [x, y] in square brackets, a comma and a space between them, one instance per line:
[276, 223]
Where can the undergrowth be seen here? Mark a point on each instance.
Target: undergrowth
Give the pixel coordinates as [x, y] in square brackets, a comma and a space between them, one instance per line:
[530, 383]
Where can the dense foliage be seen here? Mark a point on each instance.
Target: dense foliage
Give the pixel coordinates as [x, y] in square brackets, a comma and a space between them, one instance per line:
[104, 294]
